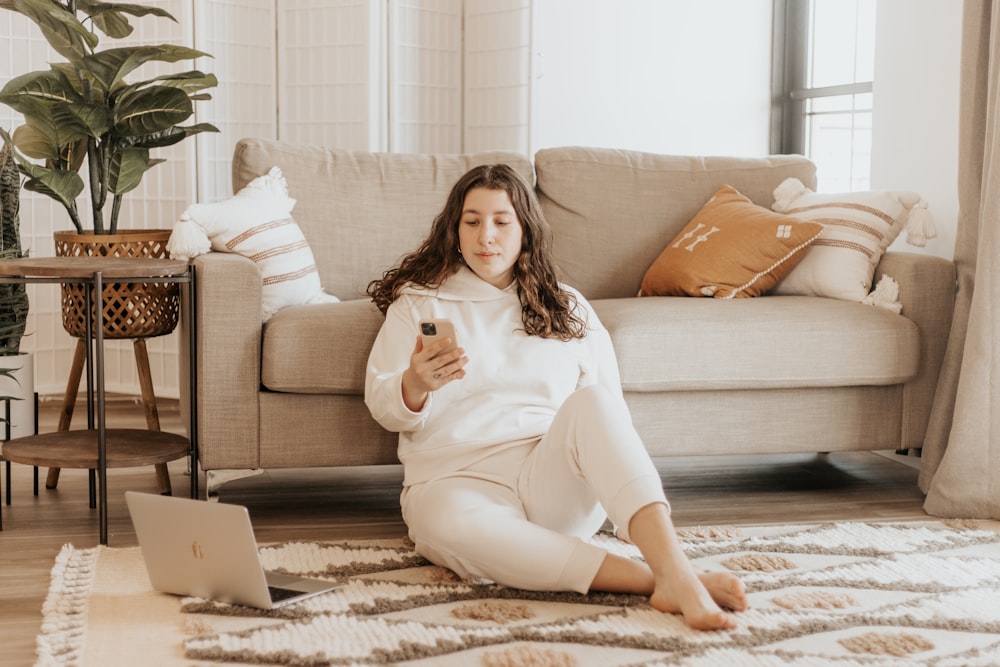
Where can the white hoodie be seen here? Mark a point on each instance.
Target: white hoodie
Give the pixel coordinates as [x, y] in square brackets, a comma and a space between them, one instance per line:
[513, 386]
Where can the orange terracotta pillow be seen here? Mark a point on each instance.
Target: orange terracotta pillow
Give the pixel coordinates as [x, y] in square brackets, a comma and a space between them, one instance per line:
[732, 248]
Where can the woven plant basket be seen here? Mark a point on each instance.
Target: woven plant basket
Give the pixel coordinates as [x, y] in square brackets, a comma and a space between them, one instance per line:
[131, 310]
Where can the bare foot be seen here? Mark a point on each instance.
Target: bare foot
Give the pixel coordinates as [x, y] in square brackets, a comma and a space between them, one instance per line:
[700, 599]
[676, 586]
[727, 590]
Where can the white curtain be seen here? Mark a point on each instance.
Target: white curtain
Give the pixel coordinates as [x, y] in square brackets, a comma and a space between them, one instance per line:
[961, 455]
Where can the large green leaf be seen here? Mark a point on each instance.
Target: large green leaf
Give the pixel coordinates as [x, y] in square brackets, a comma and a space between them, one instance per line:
[71, 77]
[190, 82]
[92, 119]
[109, 17]
[74, 154]
[150, 110]
[111, 67]
[59, 184]
[61, 28]
[24, 92]
[127, 168]
[46, 136]
[169, 136]
[35, 143]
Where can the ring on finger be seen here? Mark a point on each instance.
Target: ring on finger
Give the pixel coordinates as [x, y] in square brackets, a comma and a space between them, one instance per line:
[437, 376]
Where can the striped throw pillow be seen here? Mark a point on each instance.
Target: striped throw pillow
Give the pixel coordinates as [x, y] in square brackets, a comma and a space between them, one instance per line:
[257, 223]
[858, 227]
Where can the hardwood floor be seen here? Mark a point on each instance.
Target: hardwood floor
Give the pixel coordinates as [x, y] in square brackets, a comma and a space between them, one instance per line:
[363, 502]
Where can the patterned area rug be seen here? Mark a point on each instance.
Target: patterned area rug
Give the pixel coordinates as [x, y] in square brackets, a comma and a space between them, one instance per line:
[849, 594]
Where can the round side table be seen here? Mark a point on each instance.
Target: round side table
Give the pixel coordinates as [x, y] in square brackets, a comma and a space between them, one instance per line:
[98, 447]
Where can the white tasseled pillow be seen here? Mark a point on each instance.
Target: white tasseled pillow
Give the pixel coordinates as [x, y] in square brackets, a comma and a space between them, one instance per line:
[257, 223]
[858, 227]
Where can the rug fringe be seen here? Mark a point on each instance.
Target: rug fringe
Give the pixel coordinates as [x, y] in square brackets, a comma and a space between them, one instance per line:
[64, 612]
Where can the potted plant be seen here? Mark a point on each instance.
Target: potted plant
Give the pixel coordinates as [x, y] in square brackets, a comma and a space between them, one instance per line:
[16, 367]
[85, 112]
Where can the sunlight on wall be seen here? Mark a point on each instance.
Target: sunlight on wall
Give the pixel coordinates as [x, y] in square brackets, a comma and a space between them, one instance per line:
[915, 117]
[688, 78]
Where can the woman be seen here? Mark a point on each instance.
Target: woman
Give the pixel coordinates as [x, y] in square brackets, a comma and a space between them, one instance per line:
[517, 444]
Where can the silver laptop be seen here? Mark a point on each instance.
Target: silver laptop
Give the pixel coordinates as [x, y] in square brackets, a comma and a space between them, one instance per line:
[207, 550]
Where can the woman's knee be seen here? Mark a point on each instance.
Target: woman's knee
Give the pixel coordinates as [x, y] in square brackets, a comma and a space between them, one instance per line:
[455, 517]
[596, 408]
[595, 398]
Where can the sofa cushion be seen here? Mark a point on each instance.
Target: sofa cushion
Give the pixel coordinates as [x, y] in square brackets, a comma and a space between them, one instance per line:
[319, 348]
[732, 248]
[360, 211]
[678, 343]
[662, 343]
[613, 211]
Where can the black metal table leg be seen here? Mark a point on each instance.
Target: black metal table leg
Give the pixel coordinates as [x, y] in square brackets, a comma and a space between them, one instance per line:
[102, 435]
[7, 435]
[192, 381]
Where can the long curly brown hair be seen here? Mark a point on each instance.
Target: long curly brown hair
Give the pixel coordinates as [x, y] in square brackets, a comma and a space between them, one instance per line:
[547, 310]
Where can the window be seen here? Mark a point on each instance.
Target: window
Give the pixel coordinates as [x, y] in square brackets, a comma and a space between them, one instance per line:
[824, 55]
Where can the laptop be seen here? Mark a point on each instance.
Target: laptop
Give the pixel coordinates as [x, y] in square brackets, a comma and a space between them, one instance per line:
[208, 550]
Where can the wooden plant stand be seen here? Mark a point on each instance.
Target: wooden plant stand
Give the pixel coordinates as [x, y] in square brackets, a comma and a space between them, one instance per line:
[148, 403]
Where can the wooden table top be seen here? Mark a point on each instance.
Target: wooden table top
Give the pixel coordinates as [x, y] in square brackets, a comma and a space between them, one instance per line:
[86, 267]
[126, 448]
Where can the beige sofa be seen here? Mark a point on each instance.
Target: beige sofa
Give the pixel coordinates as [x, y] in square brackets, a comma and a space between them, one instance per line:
[701, 376]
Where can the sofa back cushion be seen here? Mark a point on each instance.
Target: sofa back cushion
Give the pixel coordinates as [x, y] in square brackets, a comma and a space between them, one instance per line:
[361, 211]
[613, 211]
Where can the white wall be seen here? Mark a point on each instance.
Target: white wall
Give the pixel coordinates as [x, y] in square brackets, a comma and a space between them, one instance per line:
[670, 76]
[915, 113]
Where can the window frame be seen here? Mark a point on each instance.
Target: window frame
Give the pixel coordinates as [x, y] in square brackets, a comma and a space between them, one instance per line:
[789, 90]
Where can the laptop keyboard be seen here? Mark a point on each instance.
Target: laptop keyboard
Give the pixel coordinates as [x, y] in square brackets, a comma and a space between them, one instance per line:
[278, 594]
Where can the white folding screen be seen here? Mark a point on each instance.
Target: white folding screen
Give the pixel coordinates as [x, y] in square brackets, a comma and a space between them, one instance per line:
[404, 75]
[425, 76]
[370, 75]
[331, 73]
[240, 35]
[497, 82]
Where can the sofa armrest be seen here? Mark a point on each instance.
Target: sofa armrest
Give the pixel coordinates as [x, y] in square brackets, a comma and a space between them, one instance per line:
[228, 309]
[927, 294]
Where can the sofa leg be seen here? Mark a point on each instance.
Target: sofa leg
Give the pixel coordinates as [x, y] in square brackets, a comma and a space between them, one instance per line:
[913, 451]
[215, 479]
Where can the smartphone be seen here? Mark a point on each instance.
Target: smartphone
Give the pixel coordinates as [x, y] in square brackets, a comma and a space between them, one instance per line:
[435, 329]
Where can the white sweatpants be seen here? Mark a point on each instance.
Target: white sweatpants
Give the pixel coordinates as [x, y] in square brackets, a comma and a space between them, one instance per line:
[521, 517]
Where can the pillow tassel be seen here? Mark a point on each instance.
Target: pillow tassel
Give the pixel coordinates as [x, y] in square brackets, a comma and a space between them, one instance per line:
[275, 182]
[188, 239]
[323, 297]
[789, 190]
[919, 225]
[885, 295]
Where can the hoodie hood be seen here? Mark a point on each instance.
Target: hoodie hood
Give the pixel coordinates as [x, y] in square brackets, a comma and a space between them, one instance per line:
[463, 285]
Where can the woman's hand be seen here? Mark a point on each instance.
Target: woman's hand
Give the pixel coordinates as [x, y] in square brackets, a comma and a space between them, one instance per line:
[430, 370]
